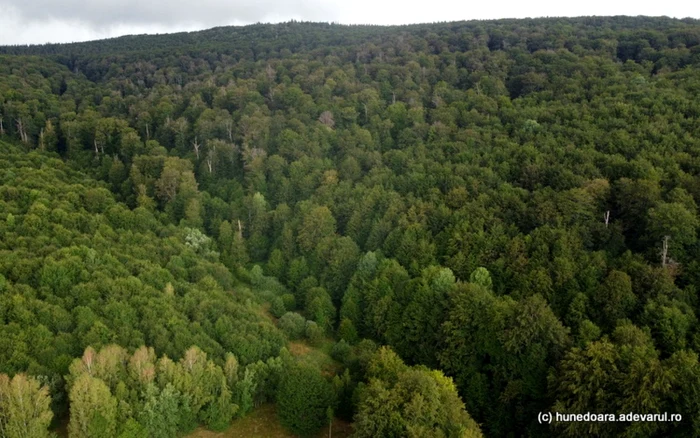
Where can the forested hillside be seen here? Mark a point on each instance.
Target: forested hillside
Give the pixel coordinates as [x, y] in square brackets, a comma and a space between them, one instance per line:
[497, 215]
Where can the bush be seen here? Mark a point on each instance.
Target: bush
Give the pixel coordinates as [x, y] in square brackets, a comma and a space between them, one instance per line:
[277, 307]
[303, 399]
[341, 351]
[290, 303]
[292, 324]
[314, 333]
[347, 331]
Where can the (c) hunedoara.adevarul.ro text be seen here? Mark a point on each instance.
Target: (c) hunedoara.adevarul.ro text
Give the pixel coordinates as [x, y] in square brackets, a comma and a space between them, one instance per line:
[556, 417]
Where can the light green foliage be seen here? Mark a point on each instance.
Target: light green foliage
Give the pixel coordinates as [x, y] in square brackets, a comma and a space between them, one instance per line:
[149, 396]
[197, 240]
[277, 307]
[402, 401]
[93, 409]
[121, 277]
[220, 411]
[675, 221]
[24, 407]
[256, 275]
[244, 392]
[482, 277]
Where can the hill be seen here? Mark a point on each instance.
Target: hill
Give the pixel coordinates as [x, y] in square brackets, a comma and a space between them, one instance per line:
[506, 209]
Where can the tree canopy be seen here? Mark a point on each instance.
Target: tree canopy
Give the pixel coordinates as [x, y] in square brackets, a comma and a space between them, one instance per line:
[492, 218]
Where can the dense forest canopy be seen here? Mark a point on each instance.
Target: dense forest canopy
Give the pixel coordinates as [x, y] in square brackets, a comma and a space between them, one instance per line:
[487, 220]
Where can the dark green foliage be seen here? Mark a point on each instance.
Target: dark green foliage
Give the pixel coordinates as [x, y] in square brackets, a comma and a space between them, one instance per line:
[319, 308]
[304, 396]
[314, 333]
[292, 324]
[347, 331]
[161, 412]
[341, 351]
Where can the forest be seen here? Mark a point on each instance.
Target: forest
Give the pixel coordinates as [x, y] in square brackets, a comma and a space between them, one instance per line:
[461, 224]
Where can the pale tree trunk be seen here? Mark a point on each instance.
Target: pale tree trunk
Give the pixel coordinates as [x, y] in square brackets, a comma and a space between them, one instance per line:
[196, 146]
[229, 130]
[22, 131]
[664, 251]
[606, 216]
[240, 230]
[2, 128]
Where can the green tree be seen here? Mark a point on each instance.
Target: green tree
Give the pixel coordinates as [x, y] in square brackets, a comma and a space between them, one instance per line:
[93, 409]
[304, 396]
[24, 407]
[402, 401]
[317, 224]
[161, 414]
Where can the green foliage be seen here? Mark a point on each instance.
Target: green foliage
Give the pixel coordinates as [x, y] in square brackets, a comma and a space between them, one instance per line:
[347, 331]
[221, 410]
[317, 224]
[402, 401]
[292, 324]
[116, 394]
[24, 407]
[314, 333]
[492, 198]
[303, 398]
[289, 302]
[161, 412]
[93, 409]
[277, 307]
[319, 308]
[98, 279]
[528, 336]
[482, 277]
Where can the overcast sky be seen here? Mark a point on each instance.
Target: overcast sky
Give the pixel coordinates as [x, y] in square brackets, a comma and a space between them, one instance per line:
[41, 21]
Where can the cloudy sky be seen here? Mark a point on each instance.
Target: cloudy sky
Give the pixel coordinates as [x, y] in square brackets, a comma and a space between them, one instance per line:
[40, 21]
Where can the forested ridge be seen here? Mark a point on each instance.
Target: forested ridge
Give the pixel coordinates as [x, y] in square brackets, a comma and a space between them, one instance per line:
[478, 221]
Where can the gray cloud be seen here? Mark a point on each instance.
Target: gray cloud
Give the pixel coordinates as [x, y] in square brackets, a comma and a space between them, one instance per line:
[101, 13]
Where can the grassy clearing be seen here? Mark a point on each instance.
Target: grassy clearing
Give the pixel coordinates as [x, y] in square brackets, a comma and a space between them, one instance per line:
[262, 422]
[319, 356]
